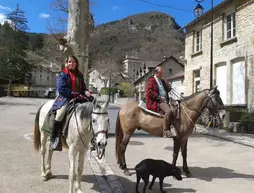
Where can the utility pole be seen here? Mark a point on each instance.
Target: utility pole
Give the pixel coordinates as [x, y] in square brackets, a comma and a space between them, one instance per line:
[211, 53]
[109, 69]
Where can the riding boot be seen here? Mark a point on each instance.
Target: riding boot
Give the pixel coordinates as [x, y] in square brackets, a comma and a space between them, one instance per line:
[169, 130]
[166, 130]
[55, 138]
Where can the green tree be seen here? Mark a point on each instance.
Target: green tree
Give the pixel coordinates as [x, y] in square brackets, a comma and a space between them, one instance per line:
[127, 88]
[36, 41]
[14, 64]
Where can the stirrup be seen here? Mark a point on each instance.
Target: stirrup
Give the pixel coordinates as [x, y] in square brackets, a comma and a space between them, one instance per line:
[173, 131]
[56, 145]
[167, 134]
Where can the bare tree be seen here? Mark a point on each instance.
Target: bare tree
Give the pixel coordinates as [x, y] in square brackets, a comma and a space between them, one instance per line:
[80, 26]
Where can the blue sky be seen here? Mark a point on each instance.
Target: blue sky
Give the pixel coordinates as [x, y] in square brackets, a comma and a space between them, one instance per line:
[39, 12]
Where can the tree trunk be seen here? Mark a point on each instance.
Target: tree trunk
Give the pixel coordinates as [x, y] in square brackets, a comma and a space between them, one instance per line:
[9, 88]
[78, 32]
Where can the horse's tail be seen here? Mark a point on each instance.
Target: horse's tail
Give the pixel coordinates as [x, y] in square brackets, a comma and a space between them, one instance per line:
[119, 137]
[37, 133]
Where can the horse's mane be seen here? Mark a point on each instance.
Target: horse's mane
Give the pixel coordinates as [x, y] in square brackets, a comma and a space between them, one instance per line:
[193, 95]
[85, 110]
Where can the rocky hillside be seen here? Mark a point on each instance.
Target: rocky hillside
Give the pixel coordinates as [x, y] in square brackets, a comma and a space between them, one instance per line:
[149, 36]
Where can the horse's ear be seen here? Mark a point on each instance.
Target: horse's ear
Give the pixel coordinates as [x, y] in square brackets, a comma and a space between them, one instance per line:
[105, 105]
[95, 102]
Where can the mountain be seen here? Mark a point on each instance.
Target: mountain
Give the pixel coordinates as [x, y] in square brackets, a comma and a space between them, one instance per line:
[149, 36]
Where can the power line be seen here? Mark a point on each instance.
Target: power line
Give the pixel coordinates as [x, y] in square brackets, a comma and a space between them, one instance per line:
[166, 6]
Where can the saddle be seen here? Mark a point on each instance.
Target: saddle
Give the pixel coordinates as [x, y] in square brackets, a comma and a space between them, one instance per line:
[50, 117]
[175, 106]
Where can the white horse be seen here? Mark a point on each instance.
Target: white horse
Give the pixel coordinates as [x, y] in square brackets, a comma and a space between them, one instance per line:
[77, 140]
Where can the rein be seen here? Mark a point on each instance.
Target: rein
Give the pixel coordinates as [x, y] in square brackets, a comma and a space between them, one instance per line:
[94, 134]
[191, 108]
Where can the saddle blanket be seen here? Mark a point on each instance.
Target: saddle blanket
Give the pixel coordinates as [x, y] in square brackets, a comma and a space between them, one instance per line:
[175, 106]
[50, 117]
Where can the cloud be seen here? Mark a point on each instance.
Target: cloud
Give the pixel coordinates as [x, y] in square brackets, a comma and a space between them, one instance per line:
[2, 18]
[44, 16]
[5, 8]
[115, 7]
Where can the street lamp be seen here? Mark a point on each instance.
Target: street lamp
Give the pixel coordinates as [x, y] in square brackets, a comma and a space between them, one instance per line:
[198, 12]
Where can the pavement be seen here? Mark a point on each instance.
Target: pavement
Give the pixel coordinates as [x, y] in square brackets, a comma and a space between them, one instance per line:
[228, 167]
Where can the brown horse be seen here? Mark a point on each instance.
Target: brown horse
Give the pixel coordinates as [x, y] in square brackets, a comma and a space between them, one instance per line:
[132, 117]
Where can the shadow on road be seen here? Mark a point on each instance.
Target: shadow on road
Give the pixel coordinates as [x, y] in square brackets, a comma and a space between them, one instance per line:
[208, 174]
[130, 185]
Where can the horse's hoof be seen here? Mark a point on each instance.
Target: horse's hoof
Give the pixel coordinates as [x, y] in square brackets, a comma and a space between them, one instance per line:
[122, 167]
[127, 173]
[49, 175]
[189, 175]
[44, 178]
[79, 191]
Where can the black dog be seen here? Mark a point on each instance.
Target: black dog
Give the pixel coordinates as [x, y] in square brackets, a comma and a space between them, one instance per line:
[156, 168]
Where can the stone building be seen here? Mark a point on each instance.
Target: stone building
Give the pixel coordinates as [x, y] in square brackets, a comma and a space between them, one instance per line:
[233, 49]
[173, 72]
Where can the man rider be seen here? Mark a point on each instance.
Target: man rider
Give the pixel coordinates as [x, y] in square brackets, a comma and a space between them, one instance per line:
[157, 100]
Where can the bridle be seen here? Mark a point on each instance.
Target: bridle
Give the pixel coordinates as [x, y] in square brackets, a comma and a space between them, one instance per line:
[94, 134]
[207, 98]
[101, 131]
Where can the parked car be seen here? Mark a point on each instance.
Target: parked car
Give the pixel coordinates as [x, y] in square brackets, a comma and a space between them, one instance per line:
[50, 93]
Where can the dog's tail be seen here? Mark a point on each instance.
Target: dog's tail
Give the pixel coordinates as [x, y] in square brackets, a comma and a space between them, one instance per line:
[119, 137]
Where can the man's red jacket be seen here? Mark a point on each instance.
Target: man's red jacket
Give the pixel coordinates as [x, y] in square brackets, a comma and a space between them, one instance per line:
[152, 94]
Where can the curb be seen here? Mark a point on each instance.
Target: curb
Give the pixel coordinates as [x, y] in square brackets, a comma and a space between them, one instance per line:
[214, 132]
[209, 133]
[108, 182]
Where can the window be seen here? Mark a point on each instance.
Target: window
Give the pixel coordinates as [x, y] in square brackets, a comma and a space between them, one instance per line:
[196, 80]
[238, 82]
[170, 70]
[221, 80]
[230, 26]
[93, 80]
[197, 41]
[47, 78]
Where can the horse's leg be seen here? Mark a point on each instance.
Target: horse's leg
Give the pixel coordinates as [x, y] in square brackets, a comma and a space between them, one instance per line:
[43, 152]
[81, 159]
[184, 155]
[48, 166]
[72, 157]
[125, 141]
[176, 150]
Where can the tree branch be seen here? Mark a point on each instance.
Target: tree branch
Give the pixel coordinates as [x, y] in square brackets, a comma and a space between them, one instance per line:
[60, 5]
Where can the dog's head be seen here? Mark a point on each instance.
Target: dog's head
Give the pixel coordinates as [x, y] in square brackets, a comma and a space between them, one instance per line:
[176, 172]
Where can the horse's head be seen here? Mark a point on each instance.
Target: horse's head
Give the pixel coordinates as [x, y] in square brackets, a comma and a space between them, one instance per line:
[100, 125]
[215, 104]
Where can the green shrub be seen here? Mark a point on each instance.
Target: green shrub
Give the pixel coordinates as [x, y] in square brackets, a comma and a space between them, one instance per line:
[128, 89]
[105, 90]
[246, 122]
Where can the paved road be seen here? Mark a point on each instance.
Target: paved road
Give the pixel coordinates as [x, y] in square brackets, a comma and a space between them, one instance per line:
[217, 165]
